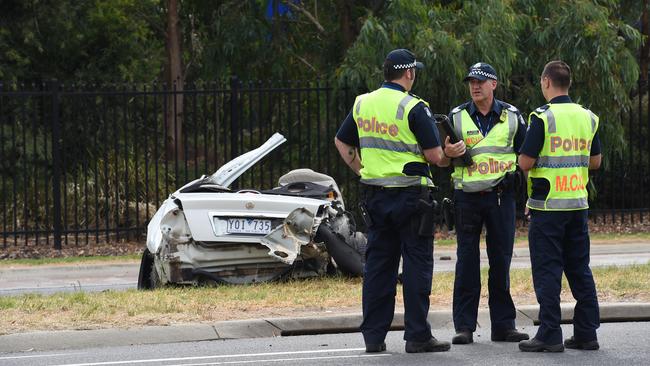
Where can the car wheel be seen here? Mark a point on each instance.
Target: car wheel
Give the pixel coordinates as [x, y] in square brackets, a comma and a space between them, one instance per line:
[144, 276]
[154, 278]
[349, 261]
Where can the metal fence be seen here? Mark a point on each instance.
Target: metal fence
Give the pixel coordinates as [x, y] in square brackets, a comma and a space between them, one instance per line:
[621, 185]
[83, 164]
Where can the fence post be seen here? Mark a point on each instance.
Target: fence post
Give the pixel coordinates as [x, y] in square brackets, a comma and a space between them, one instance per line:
[234, 116]
[56, 164]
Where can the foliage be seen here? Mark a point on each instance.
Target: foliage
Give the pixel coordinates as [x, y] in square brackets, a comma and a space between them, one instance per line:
[88, 40]
[273, 39]
[517, 37]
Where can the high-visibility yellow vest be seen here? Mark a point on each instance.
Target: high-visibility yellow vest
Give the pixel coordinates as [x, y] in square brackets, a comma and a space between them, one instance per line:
[569, 130]
[493, 154]
[386, 142]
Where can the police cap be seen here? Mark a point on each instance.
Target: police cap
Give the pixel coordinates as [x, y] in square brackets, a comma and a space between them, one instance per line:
[481, 71]
[402, 58]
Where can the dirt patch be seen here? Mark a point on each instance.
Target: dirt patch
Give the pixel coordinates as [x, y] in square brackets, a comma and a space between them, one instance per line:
[88, 250]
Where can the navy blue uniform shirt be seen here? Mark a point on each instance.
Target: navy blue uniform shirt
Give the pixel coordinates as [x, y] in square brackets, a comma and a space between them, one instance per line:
[486, 122]
[535, 141]
[421, 123]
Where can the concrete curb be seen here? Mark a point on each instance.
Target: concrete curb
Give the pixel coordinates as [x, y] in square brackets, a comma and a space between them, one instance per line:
[609, 312]
[273, 327]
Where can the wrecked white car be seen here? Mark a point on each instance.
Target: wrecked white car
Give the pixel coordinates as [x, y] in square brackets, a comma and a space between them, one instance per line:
[207, 233]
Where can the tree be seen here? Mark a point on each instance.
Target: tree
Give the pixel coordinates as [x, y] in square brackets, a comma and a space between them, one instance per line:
[517, 37]
[101, 41]
[645, 49]
[275, 39]
[175, 81]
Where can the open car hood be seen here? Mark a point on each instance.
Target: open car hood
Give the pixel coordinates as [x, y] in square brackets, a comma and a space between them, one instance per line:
[230, 171]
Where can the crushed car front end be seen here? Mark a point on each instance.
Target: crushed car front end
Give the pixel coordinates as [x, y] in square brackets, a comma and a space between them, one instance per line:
[207, 233]
[226, 238]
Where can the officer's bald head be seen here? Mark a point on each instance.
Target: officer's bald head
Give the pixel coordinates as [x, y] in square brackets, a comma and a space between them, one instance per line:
[559, 73]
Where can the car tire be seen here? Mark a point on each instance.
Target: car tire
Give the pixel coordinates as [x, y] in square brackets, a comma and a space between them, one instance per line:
[146, 266]
[348, 260]
[154, 278]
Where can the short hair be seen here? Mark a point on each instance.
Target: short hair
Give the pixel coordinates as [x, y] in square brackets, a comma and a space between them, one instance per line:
[391, 73]
[559, 73]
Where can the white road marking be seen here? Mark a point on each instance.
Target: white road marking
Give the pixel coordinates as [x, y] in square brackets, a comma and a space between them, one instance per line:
[35, 356]
[268, 360]
[214, 357]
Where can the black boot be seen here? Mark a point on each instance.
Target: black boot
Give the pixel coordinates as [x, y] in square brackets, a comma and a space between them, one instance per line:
[432, 345]
[510, 335]
[463, 337]
[372, 348]
[535, 345]
[587, 346]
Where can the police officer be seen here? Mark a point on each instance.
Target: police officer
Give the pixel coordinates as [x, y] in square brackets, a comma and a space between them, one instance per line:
[492, 131]
[561, 146]
[396, 136]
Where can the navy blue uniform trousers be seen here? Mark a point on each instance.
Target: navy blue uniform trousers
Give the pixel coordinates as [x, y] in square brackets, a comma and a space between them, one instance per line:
[473, 210]
[393, 234]
[559, 241]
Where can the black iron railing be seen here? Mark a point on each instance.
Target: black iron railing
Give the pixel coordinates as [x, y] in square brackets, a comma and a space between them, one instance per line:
[82, 164]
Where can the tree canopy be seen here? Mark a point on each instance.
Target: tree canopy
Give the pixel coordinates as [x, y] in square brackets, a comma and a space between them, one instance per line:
[80, 40]
[344, 41]
[517, 37]
[599, 47]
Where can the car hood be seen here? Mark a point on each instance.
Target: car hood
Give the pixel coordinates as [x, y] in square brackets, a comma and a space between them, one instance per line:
[230, 171]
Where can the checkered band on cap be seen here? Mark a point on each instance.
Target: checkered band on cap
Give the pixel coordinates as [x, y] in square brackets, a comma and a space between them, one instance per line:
[406, 66]
[482, 73]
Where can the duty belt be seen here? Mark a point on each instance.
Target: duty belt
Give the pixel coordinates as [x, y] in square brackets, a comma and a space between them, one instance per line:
[419, 188]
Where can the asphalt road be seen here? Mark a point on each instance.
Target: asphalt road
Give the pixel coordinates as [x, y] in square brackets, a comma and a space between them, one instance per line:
[99, 277]
[621, 344]
[49, 279]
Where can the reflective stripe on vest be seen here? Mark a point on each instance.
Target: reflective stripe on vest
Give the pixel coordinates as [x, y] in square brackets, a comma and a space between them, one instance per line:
[398, 181]
[493, 154]
[564, 158]
[478, 186]
[402, 105]
[385, 139]
[378, 143]
[490, 150]
[558, 204]
[562, 161]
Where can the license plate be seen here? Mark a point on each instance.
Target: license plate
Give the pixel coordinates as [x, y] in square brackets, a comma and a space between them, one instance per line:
[248, 226]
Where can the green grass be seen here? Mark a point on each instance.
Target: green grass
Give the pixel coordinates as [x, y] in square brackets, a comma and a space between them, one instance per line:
[617, 237]
[320, 296]
[447, 242]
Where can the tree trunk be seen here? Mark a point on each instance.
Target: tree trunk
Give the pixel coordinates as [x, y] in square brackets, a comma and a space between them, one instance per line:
[645, 48]
[345, 15]
[174, 78]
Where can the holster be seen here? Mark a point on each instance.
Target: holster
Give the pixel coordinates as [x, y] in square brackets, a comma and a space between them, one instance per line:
[519, 183]
[365, 215]
[426, 207]
[448, 213]
[508, 182]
